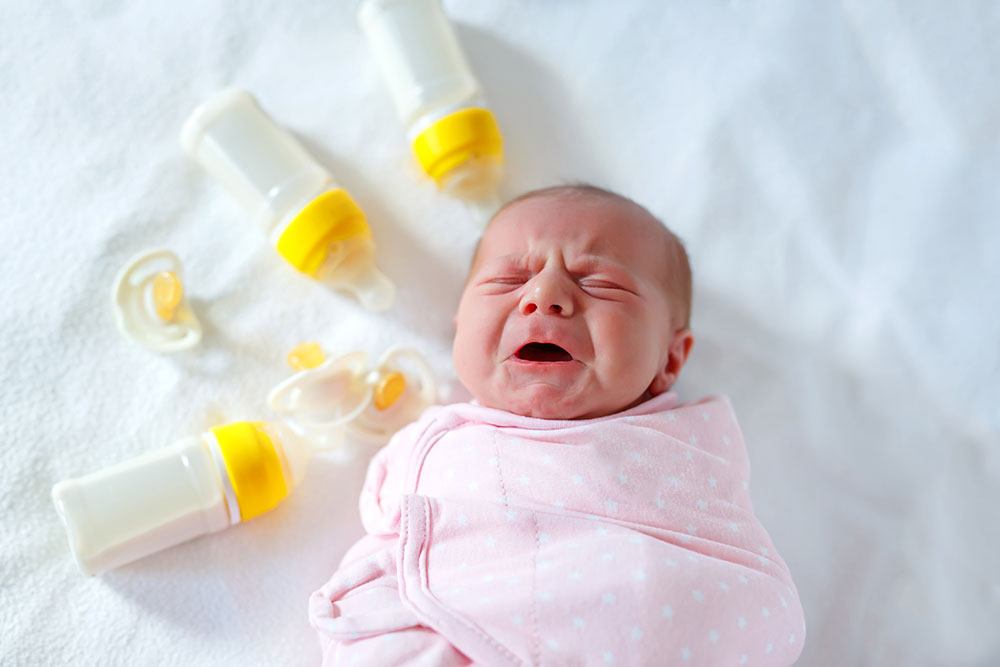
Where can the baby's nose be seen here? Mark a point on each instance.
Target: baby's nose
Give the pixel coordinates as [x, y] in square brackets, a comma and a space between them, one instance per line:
[547, 295]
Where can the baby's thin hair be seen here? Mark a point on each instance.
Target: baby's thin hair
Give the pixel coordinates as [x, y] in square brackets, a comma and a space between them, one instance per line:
[678, 273]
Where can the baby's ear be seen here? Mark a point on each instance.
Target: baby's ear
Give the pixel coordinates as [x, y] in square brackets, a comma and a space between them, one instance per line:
[677, 356]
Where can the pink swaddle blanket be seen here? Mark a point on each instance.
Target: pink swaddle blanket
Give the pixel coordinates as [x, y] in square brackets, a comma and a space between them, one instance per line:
[628, 539]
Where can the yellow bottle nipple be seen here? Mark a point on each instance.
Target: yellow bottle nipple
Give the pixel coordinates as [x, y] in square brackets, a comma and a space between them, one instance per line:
[167, 294]
[305, 356]
[388, 390]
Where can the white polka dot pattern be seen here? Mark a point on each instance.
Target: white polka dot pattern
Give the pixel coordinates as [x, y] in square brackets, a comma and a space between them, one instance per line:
[622, 540]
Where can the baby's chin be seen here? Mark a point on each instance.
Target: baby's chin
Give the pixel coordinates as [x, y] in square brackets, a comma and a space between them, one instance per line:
[555, 407]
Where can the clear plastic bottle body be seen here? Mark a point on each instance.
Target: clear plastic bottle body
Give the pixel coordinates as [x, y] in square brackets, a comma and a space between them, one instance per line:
[453, 133]
[419, 57]
[140, 506]
[259, 162]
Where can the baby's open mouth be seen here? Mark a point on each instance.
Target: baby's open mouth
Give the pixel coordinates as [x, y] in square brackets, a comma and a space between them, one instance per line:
[543, 352]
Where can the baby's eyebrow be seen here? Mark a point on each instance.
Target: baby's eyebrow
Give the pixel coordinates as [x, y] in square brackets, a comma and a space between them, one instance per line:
[596, 262]
[513, 259]
[491, 265]
[575, 264]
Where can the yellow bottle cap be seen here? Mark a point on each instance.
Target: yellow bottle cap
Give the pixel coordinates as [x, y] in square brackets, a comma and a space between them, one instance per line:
[388, 390]
[305, 356]
[253, 466]
[167, 294]
[331, 217]
[457, 138]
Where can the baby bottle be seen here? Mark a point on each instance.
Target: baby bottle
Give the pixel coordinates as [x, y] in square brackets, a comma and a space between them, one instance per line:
[313, 222]
[199, 485]
[454, 135]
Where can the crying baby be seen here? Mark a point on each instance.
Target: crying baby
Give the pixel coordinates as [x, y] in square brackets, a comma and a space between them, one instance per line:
[576, 512]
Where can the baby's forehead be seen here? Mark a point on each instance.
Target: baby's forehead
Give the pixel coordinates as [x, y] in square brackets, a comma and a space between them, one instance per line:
[586, 226]
[614, 217]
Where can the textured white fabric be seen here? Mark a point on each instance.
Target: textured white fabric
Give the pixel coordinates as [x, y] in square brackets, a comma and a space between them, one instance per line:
[832, 167]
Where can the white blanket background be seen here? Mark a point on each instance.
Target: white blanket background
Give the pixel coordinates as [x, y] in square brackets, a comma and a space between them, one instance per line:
[832, 166]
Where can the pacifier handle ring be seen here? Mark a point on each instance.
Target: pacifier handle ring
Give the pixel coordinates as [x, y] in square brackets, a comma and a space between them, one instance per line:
[139, 265]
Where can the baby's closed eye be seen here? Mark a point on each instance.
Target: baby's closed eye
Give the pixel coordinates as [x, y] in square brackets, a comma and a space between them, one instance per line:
[592, 283]
[502, 284]
[508, 280]
[603, 287]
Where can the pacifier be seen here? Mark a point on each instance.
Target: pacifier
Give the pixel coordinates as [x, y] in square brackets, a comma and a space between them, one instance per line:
[149, 304]
[329, 399]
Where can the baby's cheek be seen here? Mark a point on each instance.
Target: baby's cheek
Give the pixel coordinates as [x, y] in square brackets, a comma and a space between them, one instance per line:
[618, 336]
[628, 350]
[474, 351]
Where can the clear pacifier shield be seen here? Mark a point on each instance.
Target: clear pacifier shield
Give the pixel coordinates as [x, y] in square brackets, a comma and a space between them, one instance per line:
[338, 397]
[322, 400]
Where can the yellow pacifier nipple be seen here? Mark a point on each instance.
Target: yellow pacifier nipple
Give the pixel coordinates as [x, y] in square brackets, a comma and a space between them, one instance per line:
[167, 294]
[305, 356]
[388, 390]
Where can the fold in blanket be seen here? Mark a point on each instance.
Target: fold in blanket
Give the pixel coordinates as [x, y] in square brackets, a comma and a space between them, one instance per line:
[629, 538]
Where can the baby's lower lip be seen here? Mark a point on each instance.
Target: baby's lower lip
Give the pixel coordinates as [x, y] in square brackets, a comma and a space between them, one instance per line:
[526, 362]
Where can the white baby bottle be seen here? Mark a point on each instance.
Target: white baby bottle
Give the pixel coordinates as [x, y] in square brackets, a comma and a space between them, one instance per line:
[199, 485]
[235, 472]
[453, 133]
[313, 222]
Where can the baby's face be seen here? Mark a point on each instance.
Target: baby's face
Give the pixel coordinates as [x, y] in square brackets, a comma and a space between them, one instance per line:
[565, 314]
